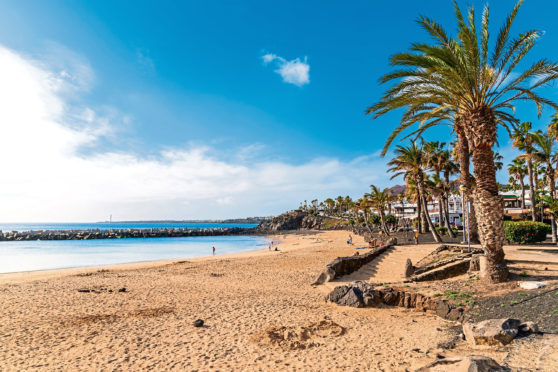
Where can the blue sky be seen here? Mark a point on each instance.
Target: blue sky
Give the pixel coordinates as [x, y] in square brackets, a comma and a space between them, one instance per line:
[152, 82]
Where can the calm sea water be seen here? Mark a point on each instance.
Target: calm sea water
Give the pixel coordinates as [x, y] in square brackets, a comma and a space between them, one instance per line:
[114, 225]
[56, 254]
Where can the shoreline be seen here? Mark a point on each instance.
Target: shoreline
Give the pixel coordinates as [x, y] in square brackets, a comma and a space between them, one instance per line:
[32, 275]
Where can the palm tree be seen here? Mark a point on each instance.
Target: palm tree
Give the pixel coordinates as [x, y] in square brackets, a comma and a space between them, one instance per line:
[517, 169]
[339, 206]
[553, 126]
[379, 200]
[411, 194]
[498, 161]
[523, 140]
[439, 161]
[545, 153]
[330, 204]
[411, 162]
[457, 78]
[462, 155]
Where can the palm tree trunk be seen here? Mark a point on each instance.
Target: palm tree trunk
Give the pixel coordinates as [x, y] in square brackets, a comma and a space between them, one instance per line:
[489, 204]
[383, 218]
[420, 187]
[531, 189]
[465, 179]
[424, 224]
[366, 222]
[441, 211]
[419, 215]
[550, 179]
[522, 192]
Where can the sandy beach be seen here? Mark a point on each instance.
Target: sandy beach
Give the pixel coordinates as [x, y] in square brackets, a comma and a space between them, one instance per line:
[259, 309]
[48, 325]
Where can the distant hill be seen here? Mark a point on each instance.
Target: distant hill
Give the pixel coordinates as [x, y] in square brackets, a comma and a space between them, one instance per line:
[397, 189]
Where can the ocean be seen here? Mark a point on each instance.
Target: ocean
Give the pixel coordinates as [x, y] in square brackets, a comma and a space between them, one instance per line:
[16, 256]
[115, 225]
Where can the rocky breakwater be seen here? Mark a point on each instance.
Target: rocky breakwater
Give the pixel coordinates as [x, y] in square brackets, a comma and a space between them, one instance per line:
[121, 233]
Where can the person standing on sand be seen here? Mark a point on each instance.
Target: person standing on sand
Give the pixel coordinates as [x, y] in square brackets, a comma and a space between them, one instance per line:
[214, 251]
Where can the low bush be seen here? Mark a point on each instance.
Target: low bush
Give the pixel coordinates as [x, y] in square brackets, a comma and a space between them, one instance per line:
[526, 232]
[442, 230]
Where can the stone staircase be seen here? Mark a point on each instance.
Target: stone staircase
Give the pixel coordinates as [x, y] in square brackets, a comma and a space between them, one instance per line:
[387, 268]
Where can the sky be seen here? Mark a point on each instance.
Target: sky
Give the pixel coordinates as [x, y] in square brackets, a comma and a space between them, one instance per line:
[207, 109]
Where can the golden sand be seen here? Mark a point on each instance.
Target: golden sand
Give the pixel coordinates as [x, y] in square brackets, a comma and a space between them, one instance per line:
[259, 309]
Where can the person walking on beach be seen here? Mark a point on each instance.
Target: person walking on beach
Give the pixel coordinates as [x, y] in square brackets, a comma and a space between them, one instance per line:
[214, 251]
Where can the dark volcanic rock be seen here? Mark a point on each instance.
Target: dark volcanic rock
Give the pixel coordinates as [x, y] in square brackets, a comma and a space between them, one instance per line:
[476, 363]
[198, 323]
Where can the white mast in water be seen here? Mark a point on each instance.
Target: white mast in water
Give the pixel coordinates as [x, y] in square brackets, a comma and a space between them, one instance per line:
[110, 219]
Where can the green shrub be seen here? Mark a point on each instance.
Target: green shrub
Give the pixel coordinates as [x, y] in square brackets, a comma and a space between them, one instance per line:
[390, 218]
[374, 220]
[442, 230]
[526, 232]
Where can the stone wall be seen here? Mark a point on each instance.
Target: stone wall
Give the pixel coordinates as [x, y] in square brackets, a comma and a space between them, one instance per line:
[361, 294]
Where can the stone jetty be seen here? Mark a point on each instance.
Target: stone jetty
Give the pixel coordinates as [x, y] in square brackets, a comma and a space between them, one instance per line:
[121, 233]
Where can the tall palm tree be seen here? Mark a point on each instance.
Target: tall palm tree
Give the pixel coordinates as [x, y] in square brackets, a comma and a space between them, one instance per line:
[523, 140]
[411, 162]
[458, 78]
[330, 204]
[517, 169]
[379, 200]
[439, 161]
[544, 152]
[411, 194]
[462, 155]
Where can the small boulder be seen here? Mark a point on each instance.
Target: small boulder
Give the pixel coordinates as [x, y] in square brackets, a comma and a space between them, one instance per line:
[122, 290]
[337, 293]
[352, 298]
[325, 276]
[532, 285]
[491, 332]
[198, 323]
[477, 363]
[528, 327]
[409, 268]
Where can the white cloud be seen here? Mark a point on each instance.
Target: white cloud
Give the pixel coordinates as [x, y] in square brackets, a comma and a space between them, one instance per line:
[295, 72]
[44, 175]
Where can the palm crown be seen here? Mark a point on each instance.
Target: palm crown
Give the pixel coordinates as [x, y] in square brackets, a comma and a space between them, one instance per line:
[458, 79]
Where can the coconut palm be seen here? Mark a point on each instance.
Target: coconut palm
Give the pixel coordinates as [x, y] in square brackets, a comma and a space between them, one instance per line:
[517, 169]
[379, 200]
[458, 78]
[411, 162]
[523, 140]
[544, 152]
